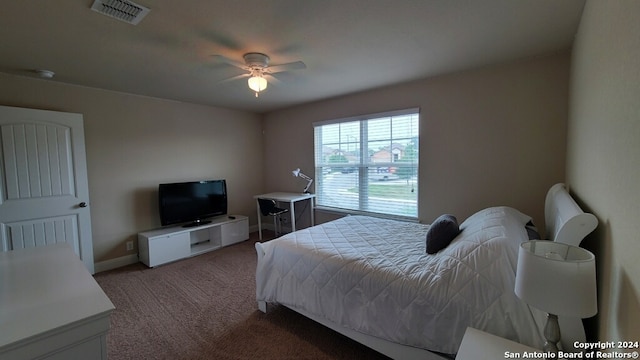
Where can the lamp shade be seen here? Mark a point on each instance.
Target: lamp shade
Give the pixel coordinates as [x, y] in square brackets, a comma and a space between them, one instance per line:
[557, 278]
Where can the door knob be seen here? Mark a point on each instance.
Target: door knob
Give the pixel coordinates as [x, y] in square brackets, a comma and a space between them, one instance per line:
[82, 204]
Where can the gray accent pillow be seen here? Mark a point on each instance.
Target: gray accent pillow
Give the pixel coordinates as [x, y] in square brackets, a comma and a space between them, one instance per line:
[442, 231]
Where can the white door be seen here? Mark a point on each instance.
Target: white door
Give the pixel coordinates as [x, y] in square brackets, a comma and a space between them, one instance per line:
[44, 195]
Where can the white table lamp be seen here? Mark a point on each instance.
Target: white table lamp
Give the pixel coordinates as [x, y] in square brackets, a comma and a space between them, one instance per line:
[558, 279]
[298, 173]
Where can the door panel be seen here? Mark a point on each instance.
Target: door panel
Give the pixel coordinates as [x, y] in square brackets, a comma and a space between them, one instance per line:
[43, 180]
[39, 157]
[41, 232]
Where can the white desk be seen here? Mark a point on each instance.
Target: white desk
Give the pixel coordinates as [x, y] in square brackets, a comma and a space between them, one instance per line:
[290, 198]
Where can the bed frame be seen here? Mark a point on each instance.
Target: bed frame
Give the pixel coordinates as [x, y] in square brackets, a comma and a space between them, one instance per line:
[565, 222]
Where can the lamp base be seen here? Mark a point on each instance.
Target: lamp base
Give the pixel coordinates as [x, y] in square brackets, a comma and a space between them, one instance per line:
[551, 334]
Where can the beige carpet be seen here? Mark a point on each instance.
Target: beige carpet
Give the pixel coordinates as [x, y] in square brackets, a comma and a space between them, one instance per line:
[204, 308]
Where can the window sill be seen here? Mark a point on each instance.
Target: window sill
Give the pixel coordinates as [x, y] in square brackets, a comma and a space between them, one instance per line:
[345, 212]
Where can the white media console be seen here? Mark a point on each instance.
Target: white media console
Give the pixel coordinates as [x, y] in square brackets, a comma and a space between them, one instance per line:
[160, 246]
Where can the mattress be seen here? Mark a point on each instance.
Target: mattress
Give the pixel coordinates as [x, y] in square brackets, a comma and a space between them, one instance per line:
[374, 276]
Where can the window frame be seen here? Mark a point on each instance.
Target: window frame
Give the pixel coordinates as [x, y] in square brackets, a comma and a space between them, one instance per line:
[362, 167]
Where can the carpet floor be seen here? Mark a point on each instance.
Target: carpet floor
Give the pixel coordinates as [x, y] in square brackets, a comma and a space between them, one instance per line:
[204, 308]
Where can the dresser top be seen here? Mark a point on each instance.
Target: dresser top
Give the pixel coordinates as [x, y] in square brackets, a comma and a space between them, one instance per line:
[46, 288]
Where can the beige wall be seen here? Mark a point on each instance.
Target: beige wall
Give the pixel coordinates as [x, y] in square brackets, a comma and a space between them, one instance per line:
[603, 155]
[133, 143]
[490, 136]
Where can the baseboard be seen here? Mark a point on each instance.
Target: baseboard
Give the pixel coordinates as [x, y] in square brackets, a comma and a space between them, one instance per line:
[115, 263]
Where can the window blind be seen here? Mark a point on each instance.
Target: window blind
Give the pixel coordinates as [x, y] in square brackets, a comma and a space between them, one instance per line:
[369, 164]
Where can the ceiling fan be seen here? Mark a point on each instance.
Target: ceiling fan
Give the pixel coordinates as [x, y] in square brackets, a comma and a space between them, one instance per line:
[258, 69]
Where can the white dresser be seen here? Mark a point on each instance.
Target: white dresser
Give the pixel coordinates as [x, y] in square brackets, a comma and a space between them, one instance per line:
[50, 306]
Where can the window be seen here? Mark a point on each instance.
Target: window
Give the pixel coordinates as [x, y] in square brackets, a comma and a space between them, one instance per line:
[369, 164]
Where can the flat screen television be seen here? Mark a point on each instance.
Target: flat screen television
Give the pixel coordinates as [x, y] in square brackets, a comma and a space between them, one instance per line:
[192, 202]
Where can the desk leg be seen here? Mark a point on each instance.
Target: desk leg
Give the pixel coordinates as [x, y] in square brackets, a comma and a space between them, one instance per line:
[293, 215]
[259, 219]
[311, 210]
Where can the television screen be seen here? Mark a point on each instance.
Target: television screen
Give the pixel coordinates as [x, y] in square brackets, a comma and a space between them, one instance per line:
[192, 201]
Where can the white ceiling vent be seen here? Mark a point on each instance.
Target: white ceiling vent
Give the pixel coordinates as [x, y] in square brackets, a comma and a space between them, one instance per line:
[124, 10]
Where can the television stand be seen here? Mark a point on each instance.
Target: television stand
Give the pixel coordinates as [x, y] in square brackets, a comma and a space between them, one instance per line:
[160, 246]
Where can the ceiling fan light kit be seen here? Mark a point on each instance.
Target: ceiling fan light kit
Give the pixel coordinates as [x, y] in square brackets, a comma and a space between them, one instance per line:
[257, 65]
[257, 62]
[257, 83]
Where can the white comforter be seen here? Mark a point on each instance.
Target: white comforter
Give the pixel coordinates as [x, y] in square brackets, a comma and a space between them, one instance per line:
[374, 276]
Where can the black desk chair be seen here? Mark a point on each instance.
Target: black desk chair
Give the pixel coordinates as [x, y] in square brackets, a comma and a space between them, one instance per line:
[268, 208]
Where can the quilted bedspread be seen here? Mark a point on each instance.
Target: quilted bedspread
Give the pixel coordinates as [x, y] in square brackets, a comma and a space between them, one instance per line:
[374, 276]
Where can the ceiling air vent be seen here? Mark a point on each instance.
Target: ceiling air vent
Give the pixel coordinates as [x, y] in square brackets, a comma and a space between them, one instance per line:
[124, 10]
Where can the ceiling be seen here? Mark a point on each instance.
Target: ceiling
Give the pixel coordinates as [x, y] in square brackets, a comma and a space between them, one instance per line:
[347, 45]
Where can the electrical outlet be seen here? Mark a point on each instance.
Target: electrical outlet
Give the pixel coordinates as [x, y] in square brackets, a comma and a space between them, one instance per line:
[129, 245]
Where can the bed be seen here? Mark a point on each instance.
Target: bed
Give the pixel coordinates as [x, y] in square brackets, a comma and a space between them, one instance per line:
[372, 280]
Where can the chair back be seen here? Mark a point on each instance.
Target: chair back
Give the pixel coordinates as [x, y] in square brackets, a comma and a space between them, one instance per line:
[266, 206]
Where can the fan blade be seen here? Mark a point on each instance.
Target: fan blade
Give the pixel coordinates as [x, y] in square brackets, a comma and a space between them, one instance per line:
[296, 65]
[233, 78]
[237, 64]
[272, 79]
